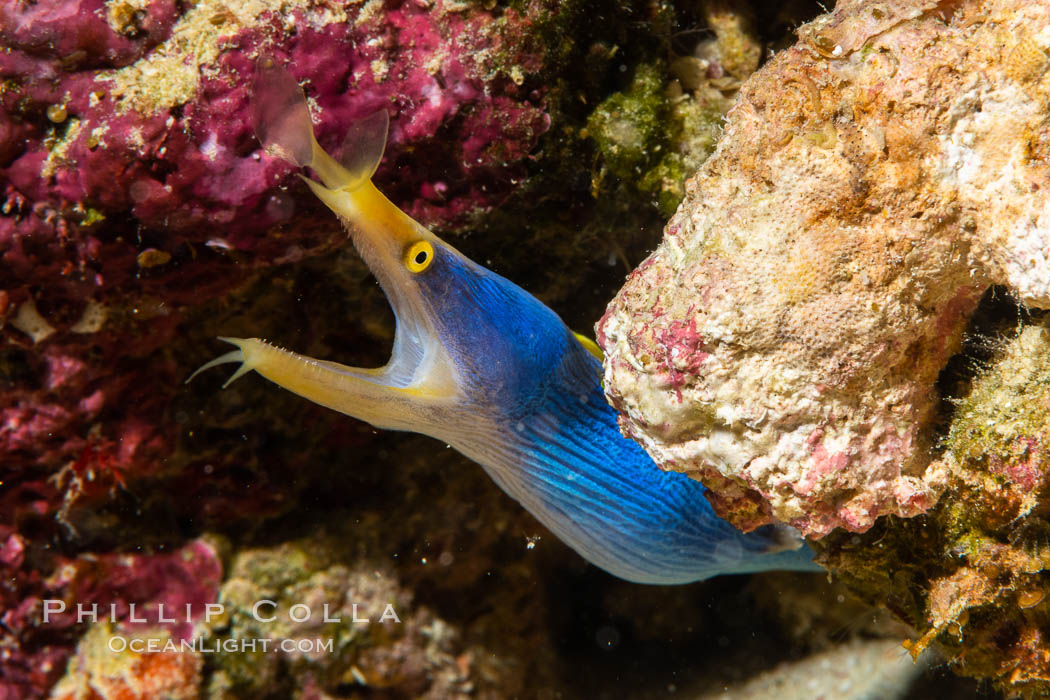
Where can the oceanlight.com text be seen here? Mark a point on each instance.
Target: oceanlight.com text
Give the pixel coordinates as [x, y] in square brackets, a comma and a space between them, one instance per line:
[152, 645]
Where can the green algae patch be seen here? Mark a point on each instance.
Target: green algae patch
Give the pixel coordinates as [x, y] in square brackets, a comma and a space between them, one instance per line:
[652, 136]
[666, 182]
[628, 127]
[1008, 410]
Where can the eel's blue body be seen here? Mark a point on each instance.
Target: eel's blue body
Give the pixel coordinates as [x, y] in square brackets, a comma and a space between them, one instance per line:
[560, 452]
[484, 366]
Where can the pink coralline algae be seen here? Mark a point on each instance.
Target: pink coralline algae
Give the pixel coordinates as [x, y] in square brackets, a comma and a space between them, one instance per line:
[784, 342]
[132, 190]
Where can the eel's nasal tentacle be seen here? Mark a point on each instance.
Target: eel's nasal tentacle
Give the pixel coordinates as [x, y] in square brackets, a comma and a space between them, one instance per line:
[281, 119]
[280, 116]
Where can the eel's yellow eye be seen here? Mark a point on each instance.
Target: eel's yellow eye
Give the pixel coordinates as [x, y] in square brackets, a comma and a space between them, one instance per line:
[419, 256]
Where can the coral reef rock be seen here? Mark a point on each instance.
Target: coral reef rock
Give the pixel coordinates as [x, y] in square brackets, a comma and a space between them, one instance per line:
[107, 666]
[784, 341]
[330, 625]
[857, 670]
[970, 574]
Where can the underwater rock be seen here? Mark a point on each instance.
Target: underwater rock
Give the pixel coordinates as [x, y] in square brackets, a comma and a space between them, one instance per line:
[857, 670]
[104, 668]
[970, 574]
[43, 616]
[783, 342]
[330, 624]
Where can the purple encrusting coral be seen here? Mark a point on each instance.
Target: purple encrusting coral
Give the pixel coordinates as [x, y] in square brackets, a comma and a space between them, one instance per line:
[132, 190]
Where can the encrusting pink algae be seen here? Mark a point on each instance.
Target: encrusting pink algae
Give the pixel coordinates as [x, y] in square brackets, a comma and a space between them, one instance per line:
[133, 195]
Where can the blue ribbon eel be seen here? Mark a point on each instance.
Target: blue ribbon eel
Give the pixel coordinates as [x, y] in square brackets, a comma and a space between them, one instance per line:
[485, 367]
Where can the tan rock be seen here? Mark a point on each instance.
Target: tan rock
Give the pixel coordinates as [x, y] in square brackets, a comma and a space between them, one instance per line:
[784, 340]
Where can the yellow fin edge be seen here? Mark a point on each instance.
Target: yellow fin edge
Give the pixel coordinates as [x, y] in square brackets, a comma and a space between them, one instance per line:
[590, 346]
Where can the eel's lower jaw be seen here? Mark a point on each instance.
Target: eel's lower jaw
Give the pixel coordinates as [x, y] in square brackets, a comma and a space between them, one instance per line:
[402, 371]
[226, 358]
